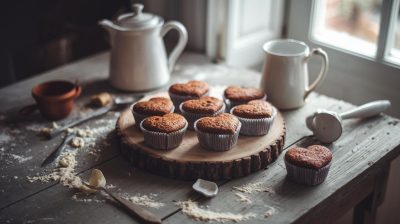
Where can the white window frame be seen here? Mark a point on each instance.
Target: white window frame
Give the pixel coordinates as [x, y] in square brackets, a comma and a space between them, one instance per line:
[353, 77]
[225, 42]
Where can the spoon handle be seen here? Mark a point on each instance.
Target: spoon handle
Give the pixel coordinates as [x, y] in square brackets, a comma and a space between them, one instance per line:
[97, 113]
[367, 110]
[143, 214]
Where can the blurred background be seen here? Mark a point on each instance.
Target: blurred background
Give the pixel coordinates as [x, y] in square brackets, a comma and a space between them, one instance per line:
[44, 34]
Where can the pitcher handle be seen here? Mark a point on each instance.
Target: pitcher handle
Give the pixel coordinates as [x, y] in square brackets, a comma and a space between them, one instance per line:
[322, 73]
[183, 38]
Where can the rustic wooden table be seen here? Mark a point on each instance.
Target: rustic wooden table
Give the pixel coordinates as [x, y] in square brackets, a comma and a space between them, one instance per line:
[357, 178]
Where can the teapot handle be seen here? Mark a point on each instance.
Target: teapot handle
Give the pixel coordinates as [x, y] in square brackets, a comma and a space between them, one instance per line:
[183, 38]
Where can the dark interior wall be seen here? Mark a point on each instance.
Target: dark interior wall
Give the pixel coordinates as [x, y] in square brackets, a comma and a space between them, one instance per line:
[39, 35]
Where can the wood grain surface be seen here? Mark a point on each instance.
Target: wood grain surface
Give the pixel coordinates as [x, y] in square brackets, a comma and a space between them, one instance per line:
[360, 156]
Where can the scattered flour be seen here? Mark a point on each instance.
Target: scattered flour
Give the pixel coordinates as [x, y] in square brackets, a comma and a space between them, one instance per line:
[5, 138]
[78, 198]
[77, 142]
[269, 212]
[40, 129]
[192, 210]
[243, 198]
[254, 187]
[35, 127]
[20, 159]
[145, 200]
[110, 186]
[65, 173]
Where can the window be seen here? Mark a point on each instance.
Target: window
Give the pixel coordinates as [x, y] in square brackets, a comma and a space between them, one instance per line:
[364, 60]
[352, 25]
[394, 54]
[368, 28]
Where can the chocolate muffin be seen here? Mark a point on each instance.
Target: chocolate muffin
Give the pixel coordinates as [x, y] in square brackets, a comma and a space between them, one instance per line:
[156, 106]
[192, 88]
[221, 124]
[253, 109]
[181, 92]
[309, 165]
[256, 117]
[219, 133]
[314, 157]
[166, 124]
[205, 106]
[239, 95]
[164, 132]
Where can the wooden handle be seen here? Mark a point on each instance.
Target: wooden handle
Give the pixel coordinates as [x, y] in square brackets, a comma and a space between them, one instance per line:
[137, 211]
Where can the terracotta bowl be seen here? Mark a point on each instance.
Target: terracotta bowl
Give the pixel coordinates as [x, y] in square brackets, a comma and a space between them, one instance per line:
[55, 99]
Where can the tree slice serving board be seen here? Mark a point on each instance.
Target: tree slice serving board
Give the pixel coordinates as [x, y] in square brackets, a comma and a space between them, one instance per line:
[189, 161]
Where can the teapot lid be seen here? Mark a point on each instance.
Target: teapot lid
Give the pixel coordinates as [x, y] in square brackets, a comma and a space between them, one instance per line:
[138, 19]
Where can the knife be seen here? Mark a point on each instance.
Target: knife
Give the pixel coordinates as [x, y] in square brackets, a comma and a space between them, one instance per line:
[56, 153]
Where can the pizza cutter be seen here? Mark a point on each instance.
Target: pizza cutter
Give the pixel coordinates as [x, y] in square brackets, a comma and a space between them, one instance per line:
[327, 125]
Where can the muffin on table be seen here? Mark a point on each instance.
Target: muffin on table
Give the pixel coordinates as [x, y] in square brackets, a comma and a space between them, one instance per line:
[219, 133]
[235, 95]
[308, 166]
[164, 132]
[181, 92]
[206, 106]
[256, 117]
[156, 106]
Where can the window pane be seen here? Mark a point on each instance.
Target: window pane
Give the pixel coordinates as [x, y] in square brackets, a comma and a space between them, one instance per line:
[349, 24]
[395, 51]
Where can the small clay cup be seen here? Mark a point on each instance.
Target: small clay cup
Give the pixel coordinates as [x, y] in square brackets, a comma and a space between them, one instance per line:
[55, 99]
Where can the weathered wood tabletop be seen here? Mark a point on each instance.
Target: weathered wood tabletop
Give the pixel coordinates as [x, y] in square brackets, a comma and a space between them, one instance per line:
[357, 176]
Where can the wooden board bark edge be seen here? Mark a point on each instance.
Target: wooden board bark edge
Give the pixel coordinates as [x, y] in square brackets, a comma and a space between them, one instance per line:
[205, 170]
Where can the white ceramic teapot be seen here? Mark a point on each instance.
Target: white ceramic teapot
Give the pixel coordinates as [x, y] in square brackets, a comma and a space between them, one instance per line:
[138, 58]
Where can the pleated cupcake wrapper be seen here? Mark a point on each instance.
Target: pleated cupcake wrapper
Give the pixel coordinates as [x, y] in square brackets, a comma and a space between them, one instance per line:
[178, 99]
[217, 142]
[231, 104]
[140, 117]
[256, 126]
[164, 141]
[306, 176]
[192, 117]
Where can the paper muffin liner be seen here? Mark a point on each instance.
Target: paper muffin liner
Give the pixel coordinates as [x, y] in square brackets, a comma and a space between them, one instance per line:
[256, 126]
[192, 117]
[164, 141]
[231, 103]
[178, 99]
[140, 117]
[306, 176]
[217, 142]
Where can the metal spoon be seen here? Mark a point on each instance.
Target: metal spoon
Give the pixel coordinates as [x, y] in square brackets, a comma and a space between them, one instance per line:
[97, 182]
[327, 125]
[118, 103]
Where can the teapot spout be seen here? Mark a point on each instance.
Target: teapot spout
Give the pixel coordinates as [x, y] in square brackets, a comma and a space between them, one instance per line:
[110, 26]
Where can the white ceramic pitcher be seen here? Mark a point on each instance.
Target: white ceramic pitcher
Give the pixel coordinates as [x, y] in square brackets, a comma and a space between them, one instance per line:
[138, 58]
[285, 72]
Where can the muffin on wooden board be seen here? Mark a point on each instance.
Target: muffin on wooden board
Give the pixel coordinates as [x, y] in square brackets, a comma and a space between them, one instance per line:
[235, 95]
[164, 132]
[257, 117]
[205, 106]
[181, 92]
[219, 133]
[156, 106]
[308, 166]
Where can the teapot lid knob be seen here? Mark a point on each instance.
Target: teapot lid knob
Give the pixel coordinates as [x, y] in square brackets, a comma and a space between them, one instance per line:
[138, 18]
[137, 9]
